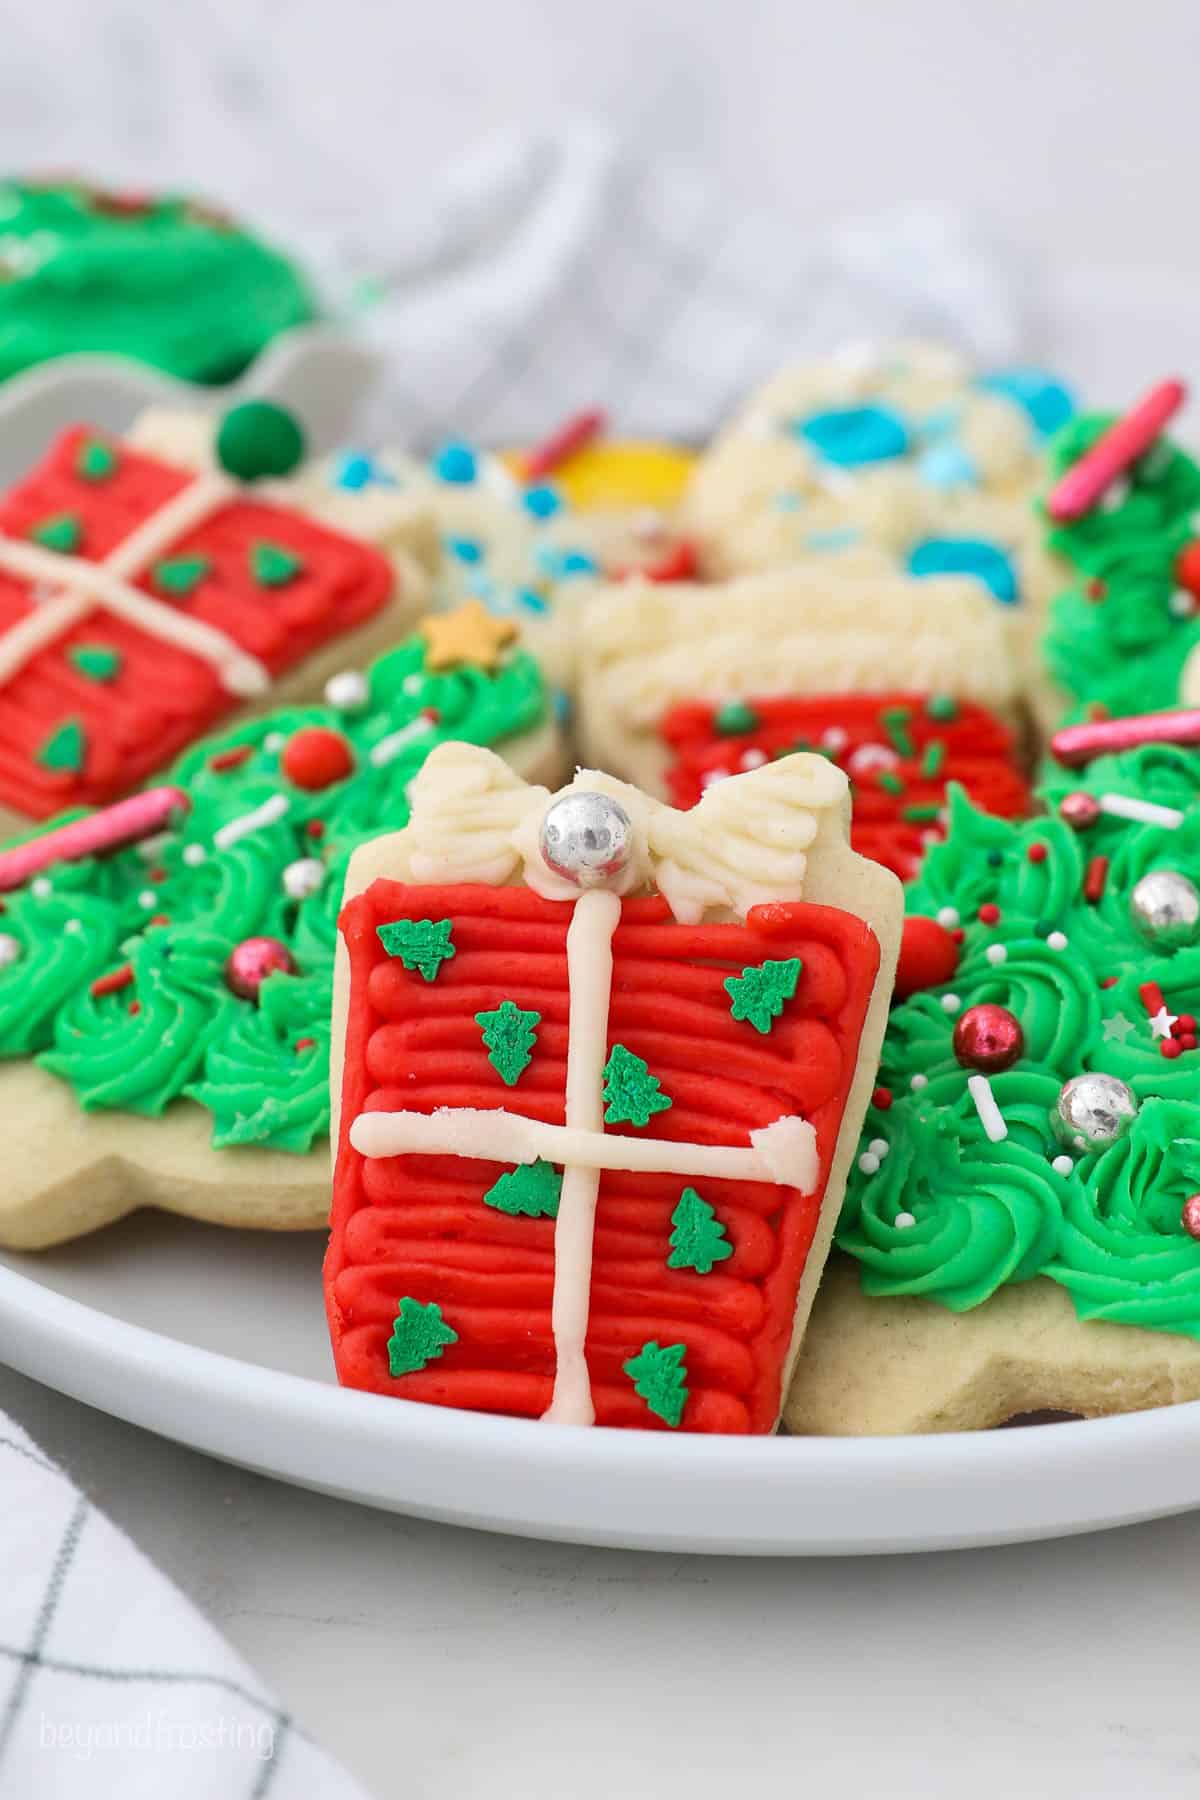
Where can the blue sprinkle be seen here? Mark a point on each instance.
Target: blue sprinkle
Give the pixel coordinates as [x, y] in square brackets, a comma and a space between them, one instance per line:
[543, 502]
[467, 550]
[356, 470]
[967, 556]
[563, 706]
[456, 463]
[1048, 403]
[532, 601]
[853, 435]
[558, 564]
[946, 465]
[841, 539]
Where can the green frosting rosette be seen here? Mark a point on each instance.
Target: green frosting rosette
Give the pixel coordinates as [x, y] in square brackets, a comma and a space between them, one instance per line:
[162, 280]
[115, 970]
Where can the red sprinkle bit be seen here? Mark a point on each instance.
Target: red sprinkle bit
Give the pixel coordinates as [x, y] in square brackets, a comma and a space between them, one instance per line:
[679, 564]
[1095, 879]
[959, 935]
[135, 1006]
[231, 759]
[989, 913]
[315, 828]
[882, 1098]
[305, 1043]
[432, 713]
[1170, 1048]
[1037, 853]
[113, 982]
[1151, 997]
[159, 919]
[562, 444]
[156, 875]
[1109, 981]
[1184, 1024]
[1096, 589]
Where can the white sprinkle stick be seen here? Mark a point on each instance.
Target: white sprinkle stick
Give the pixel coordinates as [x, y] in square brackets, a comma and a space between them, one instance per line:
[388, 748]
[269, 813]
[1143, 812]
[990, 1116]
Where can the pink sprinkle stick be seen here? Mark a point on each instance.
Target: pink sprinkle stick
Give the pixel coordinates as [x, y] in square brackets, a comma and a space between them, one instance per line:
[128, 822]
[1075, 745]
[563, 443]
[1119, 448]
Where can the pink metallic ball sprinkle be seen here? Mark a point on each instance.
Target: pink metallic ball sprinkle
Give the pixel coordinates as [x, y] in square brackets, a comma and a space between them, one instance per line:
[988, 1038]
[1079, 810]
[251, 961]
[1190, 1217]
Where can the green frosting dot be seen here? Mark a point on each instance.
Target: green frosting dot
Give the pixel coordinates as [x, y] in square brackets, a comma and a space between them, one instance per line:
[95, 460]
[259, 439]
[758, 994]
[632, 1093]
[273, 566]
[65, 748]
[421, 944]
[659, 1376]
[419, 1334]
[96, 661]
[942, 707]
[509, 1035]
[181, 574]
[61, 532]
[735, 718]
[532, 1189]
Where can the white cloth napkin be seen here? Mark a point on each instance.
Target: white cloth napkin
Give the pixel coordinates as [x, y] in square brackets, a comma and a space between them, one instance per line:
[549, 272]
[111, 1683]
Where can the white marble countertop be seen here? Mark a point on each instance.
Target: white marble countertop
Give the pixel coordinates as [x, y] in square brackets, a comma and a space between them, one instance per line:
[441, 1662]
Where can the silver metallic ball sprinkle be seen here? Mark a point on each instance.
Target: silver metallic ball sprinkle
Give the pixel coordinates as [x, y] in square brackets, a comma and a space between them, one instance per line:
[347, 692]
[302, 878]
[10, 949]
[587, 838]
[1093, 1110]
[1165, 907]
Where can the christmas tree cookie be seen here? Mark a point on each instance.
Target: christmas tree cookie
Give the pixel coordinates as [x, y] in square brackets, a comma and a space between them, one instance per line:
[685, 684]
[599, 1068]
[1024, 1209]
[166, 963]
[897, 457]
[152, 586]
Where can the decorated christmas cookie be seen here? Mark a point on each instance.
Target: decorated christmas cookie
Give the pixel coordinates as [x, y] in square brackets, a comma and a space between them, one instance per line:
[168, 281]
[602, 1067]
[166, 962]
[900, 751]
[151, 586]
[901, 450]
[1027, 1187]
[815, 633]
[1127, 620]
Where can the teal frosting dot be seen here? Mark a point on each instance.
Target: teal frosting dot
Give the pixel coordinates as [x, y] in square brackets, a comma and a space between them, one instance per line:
[465, 549]
[559, 564]
[967, 556]
[542, 502]
[1048, 403]
[853, 435]
[532, 601]
[945, 465]
[456, 463]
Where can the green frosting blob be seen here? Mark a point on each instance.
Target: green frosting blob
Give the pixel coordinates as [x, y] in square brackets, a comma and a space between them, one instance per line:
[160, 280]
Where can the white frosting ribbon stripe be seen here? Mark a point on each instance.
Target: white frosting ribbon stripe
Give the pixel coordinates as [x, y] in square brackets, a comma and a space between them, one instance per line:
[784, 1153]
[82, 586]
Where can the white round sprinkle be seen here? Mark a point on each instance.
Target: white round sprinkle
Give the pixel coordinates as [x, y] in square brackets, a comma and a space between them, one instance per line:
[868, 1164]
[711, 775]
[950, 1002]
[75, 925]
[996, 953]
[148, 898]
[1181, 604]
[1062, 1165]
[412, 684]
[1057, 940]
[348, 691]
[194, 855]
[948, 916]
[879, 1147]
[303, 877]
[835, 739]
[918, 1082]
[40, 887]
[905, 1221]
[753, 759]
[273, 742]
[10, 949]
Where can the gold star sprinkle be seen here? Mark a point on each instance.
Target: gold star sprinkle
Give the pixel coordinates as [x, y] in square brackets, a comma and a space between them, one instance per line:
[470, 635]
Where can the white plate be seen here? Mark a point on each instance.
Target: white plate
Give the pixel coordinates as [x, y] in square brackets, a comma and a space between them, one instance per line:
[135, 1321]
[217, 1339]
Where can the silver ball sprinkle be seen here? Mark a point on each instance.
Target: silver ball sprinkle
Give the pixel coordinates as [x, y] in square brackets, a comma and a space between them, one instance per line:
[10, 949]
[1093, 1110]
[347, 692]
[1165, 907]
[587, 838]
[302, 878]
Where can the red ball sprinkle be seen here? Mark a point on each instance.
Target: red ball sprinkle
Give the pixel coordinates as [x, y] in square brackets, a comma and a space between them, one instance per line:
[251, 961]
[315, 828]
[1185, 1023]
[1188, 1041]
[928, 956]
[1037, 853]
[988, 1038]
[1096, 589]
[959, 935]
[882, 1098]
[1187, 567]
[315, 757]
[1189, 1218]
[1079, 810]
[135, 1006]
[989, 913]
[1170, 1048]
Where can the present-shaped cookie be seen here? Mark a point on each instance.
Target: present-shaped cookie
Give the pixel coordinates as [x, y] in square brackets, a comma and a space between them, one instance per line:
[900, 750]
[603, 1065]
[146, 593]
